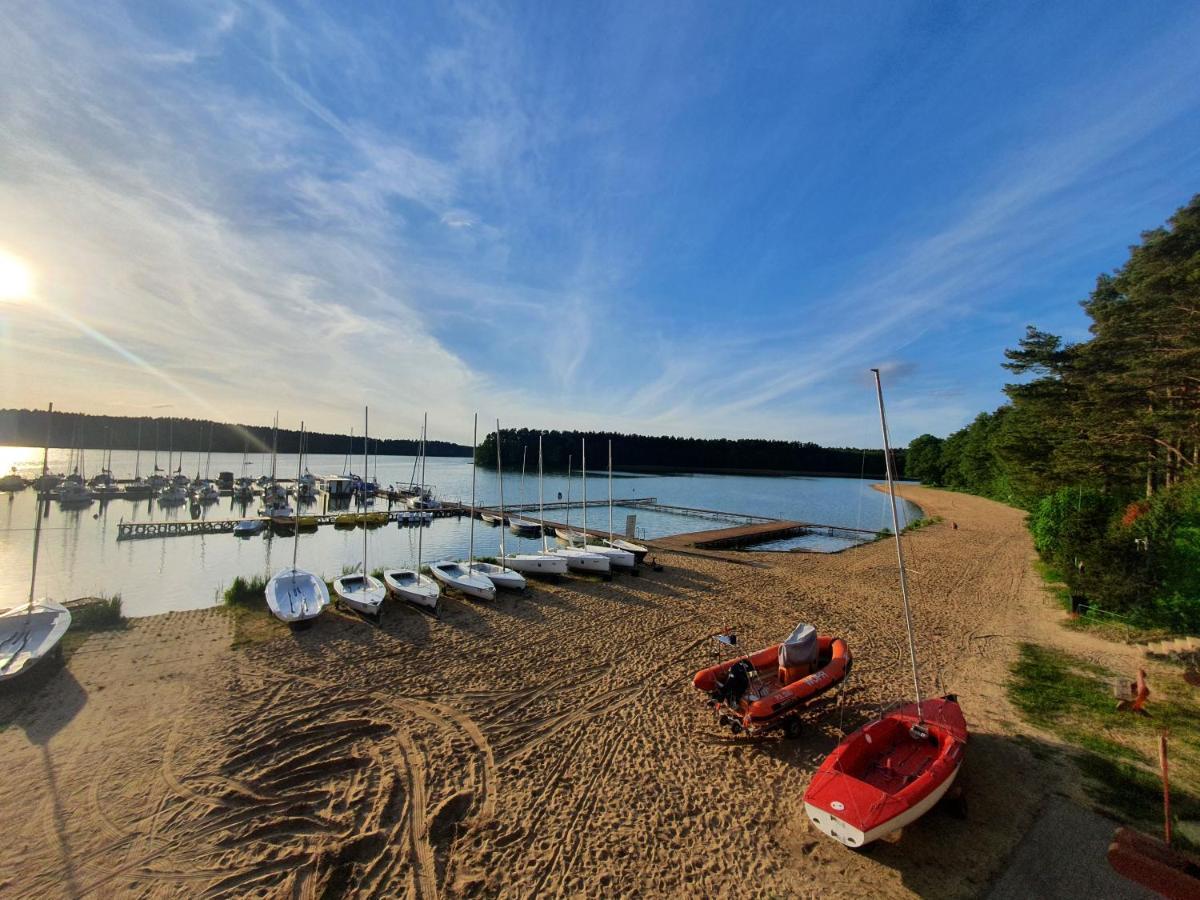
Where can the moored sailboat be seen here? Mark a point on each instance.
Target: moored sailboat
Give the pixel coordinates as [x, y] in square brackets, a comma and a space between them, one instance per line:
[360, 592]
[412, 585]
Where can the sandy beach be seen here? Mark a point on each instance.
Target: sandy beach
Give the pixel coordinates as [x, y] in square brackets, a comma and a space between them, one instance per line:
[545, 744]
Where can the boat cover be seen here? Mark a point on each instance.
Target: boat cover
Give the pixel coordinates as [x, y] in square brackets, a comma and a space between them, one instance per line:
[799, 648]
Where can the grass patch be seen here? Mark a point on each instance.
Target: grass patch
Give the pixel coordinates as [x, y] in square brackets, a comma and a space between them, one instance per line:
[1093, 621]
[914, 525]
[246, 592]
[1117, 752]
[102, 614]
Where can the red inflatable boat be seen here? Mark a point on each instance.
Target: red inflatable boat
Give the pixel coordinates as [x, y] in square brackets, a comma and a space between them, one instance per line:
[755, 694]
[888, 773]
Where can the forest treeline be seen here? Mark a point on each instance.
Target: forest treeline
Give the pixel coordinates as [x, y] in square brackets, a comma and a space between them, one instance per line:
[679, 454]
[1100, 440]
[27, 428]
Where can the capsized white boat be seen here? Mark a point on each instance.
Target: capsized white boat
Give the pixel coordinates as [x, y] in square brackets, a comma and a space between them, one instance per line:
[29, 633]
[362, 593]
[455, 575]
[295, 595]
[501, 576]
[410, 585]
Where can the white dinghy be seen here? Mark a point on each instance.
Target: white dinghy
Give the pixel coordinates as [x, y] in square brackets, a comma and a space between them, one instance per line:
[620, 559]
[455, 575]
[409, 584]
[361, 593]
[639, 552]
[33, 631]
[544, 563]
[577, 558]
[413, 587]
[295, 595]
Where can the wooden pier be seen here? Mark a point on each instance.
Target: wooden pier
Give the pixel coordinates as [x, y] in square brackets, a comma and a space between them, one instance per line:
[127, 531]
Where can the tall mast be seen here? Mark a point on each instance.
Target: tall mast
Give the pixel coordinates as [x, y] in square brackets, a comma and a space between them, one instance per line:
[541, 499]
[37, 525]
[156, 445]
[366, 431]
[583, 467]
[296, 520]
[474, 451]
[569, 496]
[274, 445]
[421, 524]
[524, 449]
[610, 531]
[500, 475]
[887, 458]
[170, 444]
[137, 460]
[212, 426]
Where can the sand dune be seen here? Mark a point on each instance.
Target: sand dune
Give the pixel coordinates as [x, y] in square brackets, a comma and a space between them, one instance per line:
[549, 744]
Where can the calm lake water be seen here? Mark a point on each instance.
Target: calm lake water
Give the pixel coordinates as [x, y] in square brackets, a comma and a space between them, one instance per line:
[80, 555]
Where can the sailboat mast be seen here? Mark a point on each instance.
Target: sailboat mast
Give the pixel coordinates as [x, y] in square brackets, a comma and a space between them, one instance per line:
[474, 465]
[37, 525]
[170, 444]
[610, 531]
[296, 521]
[212, 426]
[887, 458]
[541, 499]
[568, 495]
[366, 431]
[274, 445]
[421, 524]
[137, 460]
[583, 467]
[156, 445]
[500, 476]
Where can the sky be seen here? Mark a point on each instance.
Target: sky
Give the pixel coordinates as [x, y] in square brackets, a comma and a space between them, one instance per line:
[702, 219]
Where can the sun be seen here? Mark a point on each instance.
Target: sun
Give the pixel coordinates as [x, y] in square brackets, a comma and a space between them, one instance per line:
[16, 278]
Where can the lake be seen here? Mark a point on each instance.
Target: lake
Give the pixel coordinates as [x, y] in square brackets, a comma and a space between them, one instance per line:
[80, 555]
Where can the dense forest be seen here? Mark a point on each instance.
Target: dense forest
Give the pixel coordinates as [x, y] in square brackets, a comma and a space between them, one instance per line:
[1100, 440]
[677, 454]
[27, 428]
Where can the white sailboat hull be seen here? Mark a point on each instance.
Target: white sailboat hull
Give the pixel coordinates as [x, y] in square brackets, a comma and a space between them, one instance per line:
[639, 552]
[411, 586]
[536, 563]
[501, 577]
[455, 575]
[30, 634]
[620, 559]
[295, 595]
[583, 561]
[362, 594]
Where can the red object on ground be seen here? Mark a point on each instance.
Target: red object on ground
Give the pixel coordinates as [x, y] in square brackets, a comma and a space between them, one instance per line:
[1147, 861]
[780, 692]
[888, 773]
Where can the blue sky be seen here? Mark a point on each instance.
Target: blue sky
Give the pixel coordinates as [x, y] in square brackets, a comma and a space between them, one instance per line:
[705, 219]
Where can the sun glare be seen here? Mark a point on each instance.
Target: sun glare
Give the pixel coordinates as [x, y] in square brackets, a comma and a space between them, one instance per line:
[16, 278]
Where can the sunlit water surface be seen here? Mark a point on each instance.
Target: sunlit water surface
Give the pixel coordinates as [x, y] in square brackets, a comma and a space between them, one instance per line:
[80, 555]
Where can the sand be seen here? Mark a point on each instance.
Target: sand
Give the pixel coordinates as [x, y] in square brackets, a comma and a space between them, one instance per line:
[547, 744]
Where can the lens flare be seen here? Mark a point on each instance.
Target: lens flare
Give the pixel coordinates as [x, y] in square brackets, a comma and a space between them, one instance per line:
[16, 279]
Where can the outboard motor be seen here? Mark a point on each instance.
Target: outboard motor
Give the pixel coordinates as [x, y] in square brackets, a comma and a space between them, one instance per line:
[735, 684]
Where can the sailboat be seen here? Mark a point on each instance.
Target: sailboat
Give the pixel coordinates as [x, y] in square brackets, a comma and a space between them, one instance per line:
[157, 480]
[519, 525]
[620, 559]
[174, 493]
[529, 563]
[139, 488]
[360, 592]
[206, 490]
[577, 558]
[293, 594]
[895, 768]
[32, 631]
[410, 584]
[639, 552]
[243, 488]
[275, 502]
[454, 574]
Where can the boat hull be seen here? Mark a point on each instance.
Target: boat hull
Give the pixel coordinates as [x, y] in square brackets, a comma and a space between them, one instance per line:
[620, 559]
[885, 776]
[30, 634]
[500, 576]
[412, 587]
[363, 595]
[536, 563]
[454, 575]
[524, 528]
[582, 561]
[639, 552]
[295, 595]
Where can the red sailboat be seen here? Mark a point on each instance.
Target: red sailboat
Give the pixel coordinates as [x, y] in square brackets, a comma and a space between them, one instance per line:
[894, 769]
